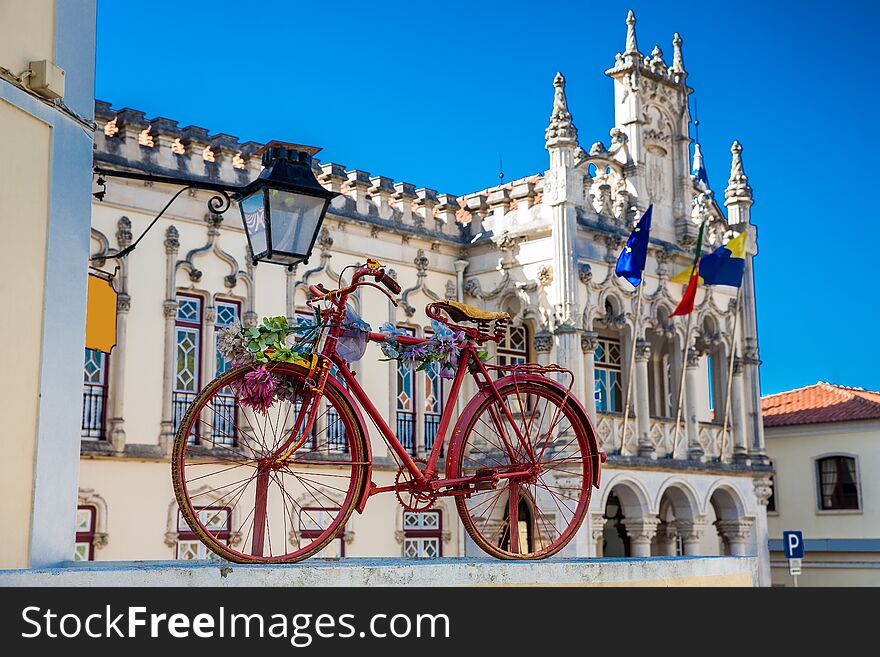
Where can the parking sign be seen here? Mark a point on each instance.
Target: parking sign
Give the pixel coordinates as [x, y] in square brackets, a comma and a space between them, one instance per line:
[793, 542]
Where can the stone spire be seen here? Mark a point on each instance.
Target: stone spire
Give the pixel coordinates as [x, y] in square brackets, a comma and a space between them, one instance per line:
[738, 189]
[561, 131]
[632, 48]
[699, 170]
[677, 59]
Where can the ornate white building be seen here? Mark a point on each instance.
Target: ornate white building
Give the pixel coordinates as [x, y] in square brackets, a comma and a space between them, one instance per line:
[542, 248]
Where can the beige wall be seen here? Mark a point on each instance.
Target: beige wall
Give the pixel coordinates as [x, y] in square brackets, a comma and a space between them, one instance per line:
[28, 32]
[24, 190]
[793, 451]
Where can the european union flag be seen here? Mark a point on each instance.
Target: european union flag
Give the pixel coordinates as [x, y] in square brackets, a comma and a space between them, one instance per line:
[631, 262]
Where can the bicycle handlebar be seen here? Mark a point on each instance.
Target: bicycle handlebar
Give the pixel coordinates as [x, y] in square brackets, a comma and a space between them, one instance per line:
[319, 292]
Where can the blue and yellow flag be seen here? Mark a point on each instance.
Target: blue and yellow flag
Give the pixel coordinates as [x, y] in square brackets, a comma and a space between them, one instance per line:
[631, 262]
[724, 266]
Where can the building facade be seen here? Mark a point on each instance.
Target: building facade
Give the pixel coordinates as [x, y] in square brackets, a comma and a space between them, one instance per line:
[822, 441]
[541, 248]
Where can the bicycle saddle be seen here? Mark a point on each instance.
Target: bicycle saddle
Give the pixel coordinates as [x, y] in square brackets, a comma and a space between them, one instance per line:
[461, 312]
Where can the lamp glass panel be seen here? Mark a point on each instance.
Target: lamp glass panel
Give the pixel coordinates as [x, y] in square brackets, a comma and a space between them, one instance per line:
[295, 218]
[254, 214]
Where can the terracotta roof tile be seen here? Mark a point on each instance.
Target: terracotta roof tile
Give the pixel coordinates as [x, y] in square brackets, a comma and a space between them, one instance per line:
[820, 403]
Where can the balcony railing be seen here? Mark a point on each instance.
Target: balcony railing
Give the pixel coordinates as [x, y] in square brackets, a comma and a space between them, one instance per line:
[223, 420]
[180, 401]
[94, 411]
[406, 430]
[335, 432]
[432, 424]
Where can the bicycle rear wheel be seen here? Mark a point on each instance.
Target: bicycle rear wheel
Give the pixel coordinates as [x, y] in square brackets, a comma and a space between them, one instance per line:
[536, 516]
[245, 503]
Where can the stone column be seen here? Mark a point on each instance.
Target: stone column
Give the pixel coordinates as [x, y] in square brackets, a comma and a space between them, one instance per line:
[169, 308]
[209, 361]
[691, 531]
[643, 413]
[736, 533]
[666, 536]
[597, 533]
[738, 414]
[641, 532]
[763, 488]
[589, 342]
[751, 363]
[692, 385]
[543, 346]
[116, 389]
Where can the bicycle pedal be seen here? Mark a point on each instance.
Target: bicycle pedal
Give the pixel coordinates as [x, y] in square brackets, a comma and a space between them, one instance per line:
[488, 484]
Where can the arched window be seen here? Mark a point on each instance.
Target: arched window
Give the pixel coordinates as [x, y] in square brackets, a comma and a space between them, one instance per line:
[94, 414]
[187, 359]
[422, 534]
[525, 520]
[837, 478]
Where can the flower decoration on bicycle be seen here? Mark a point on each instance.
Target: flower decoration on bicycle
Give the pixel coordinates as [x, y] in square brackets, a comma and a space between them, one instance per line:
[279, 447]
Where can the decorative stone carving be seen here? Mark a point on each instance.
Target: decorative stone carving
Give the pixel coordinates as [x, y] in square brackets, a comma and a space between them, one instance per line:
[451, 291]
[737, 530]
[693, 357]
[561, 129]
[585, 273]
[172, 240]
[643, 350]
[543, 342]
[123, 232]
[738, 189]
[123, 303]
[589, 341]
[763, 485]
[545, 275]
[169, 308]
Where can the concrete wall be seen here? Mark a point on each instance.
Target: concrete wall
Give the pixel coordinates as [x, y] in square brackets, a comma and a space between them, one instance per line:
[45, 213]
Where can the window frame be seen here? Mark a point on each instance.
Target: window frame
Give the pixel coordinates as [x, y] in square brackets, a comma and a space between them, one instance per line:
[190, 536]
[413, 413]
[597, 366]
[104, 397]
[199, 328]
[88, 537]
[416, 534]
[315, 533]
[818, 484]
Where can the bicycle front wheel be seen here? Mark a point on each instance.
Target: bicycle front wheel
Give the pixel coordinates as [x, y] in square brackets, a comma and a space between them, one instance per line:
[236, 493]
[532, 516]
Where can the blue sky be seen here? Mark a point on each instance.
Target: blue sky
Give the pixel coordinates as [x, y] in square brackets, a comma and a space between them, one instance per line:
[433, 96]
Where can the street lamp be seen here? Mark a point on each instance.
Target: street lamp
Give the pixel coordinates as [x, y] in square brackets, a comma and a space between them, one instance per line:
[282, 210]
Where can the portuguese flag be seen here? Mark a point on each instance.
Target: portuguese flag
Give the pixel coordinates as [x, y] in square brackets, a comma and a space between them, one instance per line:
[690, 294]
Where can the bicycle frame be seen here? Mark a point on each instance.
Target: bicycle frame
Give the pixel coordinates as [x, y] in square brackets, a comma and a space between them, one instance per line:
[469, 361]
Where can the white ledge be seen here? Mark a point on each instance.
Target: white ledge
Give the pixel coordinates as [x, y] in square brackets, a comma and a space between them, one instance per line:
[656, 571]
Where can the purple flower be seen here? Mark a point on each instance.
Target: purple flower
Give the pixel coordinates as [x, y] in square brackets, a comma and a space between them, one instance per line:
[447, 371]
[257, 389]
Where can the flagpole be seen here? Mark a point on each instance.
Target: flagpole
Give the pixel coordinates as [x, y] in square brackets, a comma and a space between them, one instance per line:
[687, 339]
[730, 363]
[632, 361]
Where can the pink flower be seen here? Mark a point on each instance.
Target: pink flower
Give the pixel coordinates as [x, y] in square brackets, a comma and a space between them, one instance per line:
[257, 390]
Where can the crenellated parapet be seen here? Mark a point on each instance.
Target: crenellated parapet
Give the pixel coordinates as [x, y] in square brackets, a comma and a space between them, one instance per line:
[126, 139]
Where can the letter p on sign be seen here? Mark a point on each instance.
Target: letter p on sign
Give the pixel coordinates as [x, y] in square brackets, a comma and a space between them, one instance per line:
[793, 542]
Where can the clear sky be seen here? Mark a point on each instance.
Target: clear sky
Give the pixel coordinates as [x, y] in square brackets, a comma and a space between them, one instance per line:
[433, 93]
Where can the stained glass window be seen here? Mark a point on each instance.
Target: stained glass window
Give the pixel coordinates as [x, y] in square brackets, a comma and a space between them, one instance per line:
[187, 359]
[608, 375]
[94, 409]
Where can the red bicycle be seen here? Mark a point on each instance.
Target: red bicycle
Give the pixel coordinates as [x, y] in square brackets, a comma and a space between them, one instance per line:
[277, 484]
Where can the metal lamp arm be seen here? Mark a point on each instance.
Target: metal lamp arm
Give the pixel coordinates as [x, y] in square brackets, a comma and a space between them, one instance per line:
[219, 203]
